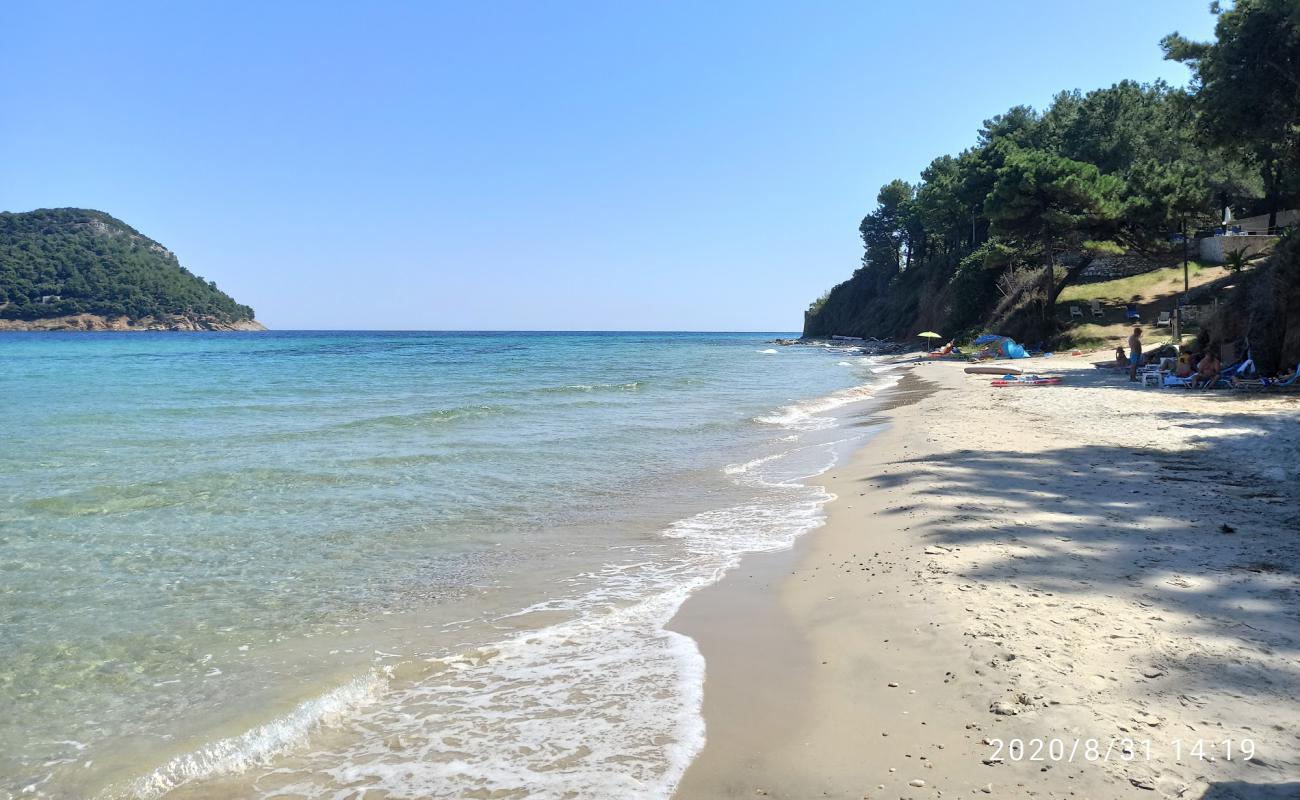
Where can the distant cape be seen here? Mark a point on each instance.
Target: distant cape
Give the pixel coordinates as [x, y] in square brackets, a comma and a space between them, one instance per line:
[97, 322]
[79, 269]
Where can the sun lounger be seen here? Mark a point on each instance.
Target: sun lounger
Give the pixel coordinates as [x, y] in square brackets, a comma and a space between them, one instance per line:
[1155, 374]
[1289, 383]
[1164, 319]
[1273, 383]
[1225, 378]
[1096, 309]
[1227, 374]
[1075, 311]
[1131, 313]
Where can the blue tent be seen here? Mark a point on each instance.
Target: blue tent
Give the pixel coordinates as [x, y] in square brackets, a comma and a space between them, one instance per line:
[1010, 349]
[1005, 346]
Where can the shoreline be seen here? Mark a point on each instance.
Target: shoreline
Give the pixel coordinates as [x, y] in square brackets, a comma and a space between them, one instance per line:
[94, 323]
[1021, 564]
[277, 735]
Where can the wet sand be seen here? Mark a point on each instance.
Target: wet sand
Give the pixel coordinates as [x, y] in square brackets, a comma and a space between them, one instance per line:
[1048, 564]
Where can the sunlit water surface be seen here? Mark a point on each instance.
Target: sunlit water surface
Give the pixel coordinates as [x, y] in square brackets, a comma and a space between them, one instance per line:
[427, 564]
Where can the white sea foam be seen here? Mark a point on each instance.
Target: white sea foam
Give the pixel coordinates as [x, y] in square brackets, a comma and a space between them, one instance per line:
[605, 704]
[236, 754]
[768, 351]
[811, 414]
[738, 469]
[630, 386]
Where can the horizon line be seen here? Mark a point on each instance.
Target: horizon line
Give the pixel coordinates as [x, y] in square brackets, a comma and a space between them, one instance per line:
[477, 330]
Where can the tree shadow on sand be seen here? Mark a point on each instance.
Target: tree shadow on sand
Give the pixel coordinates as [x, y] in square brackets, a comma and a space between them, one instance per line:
[1200, 542]
[1241, 790]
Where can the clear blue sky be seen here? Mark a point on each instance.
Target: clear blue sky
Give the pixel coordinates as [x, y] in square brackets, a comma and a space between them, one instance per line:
[528, 165]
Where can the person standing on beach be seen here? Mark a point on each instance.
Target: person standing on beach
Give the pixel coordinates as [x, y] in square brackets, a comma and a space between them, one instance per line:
[1134, 353]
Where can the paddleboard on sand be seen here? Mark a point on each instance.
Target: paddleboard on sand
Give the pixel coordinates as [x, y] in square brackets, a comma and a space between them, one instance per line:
[1028, 380]
[992, 371]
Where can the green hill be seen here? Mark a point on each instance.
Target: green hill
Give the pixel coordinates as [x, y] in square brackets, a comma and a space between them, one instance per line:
[62, 262]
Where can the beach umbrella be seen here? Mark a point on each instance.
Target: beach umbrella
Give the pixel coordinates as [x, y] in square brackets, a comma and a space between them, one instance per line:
[930, 335]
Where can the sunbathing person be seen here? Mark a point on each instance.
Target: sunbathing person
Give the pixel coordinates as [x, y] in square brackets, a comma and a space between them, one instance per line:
[1185, 361]
[1285, 377]
[1121, 358]
[1207, 372]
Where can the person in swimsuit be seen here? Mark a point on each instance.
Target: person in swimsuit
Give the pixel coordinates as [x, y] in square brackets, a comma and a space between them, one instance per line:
[1134, 354]
[1207, 372]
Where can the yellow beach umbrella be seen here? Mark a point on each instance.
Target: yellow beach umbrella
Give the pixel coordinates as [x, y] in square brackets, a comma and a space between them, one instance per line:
[930, 335]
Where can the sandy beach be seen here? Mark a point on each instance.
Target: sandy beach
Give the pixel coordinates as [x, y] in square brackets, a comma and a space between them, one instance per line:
[1087, 590]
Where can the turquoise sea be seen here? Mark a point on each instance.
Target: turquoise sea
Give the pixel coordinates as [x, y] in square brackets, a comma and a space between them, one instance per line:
[306, 564]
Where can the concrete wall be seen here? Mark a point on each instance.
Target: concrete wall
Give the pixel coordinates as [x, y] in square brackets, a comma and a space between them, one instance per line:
[1259, 224]
[1214, 249]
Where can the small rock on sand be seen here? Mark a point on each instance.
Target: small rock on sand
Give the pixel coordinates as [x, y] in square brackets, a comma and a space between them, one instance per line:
[1003, 709]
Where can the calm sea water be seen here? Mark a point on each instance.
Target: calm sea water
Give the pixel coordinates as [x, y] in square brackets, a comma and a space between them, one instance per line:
[427, 564]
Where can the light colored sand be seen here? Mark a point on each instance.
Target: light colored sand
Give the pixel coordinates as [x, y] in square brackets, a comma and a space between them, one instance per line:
[1058, 551]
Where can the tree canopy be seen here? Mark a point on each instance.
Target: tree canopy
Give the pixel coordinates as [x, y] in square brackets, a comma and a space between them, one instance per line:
[1247, 87]
[1040, 193]
[1117, 167]
[55, 262]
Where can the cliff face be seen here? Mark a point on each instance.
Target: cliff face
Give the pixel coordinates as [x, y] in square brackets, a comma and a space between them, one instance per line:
[913, 301]
[78, 269]
[96, 322]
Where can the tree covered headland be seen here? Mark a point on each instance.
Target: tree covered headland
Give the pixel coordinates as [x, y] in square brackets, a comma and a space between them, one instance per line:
[56, 262]
[990, 237]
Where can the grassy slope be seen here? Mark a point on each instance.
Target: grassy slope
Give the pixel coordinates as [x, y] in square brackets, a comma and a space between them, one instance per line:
[1147, 287]
[1153, 292]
